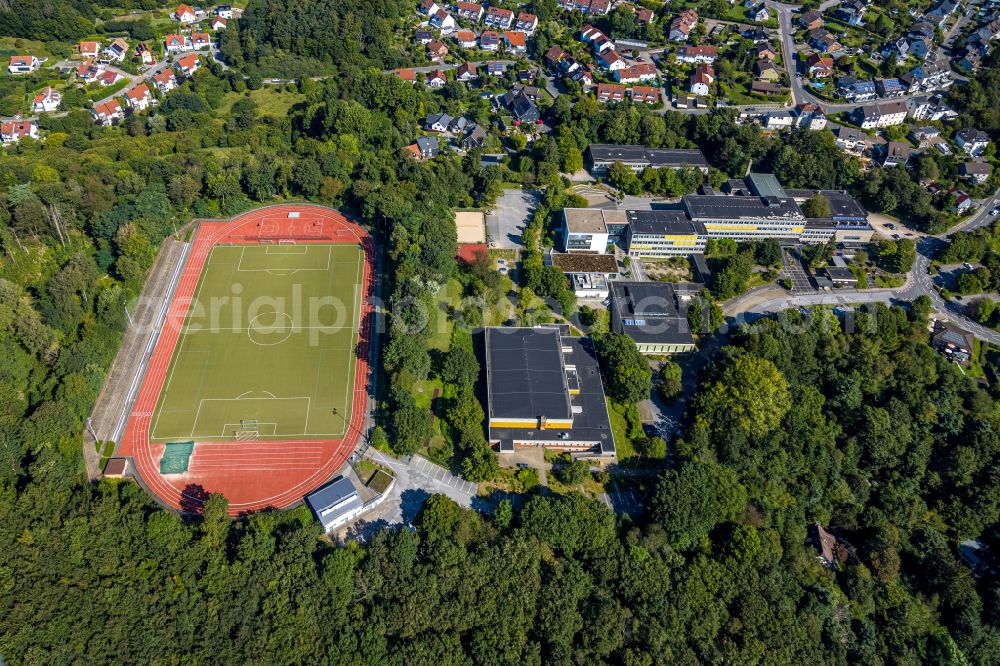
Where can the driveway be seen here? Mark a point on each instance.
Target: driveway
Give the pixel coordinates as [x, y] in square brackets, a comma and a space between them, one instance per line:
[510, 215]
[416, 481]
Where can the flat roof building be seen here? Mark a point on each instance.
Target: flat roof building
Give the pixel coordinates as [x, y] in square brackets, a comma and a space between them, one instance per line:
[336, 503]
[654, 314]
[600, 156]
[663, 233]
[544, 389]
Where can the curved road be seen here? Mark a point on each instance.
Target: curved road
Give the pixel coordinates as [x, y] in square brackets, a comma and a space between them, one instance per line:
[919, 282]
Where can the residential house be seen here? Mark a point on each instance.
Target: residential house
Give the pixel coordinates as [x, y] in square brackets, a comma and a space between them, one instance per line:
[934, 108]
[107, 113]
[610, 92]
[469, 11]
[489, 40]
[466, 72]
[116, 50]
[444, 22]
[851, 140]
[554, 56]
[435, 79]
[495, 68]
[889, 88]
[696, 54]
[200, 40]
[882, 114]
[521, 108]
[526, 22]
[224, 12]
[760, 13]
[174, 43]
[583, 75]
[436, 50]
[940, 12]
[514, 41]
[475, 137]
[856, 91]
[219, 23]
[597, 39]
[972, 141]
[826, 546]
[15, 130]
[851, 12]
[424, 148]
[531, 92]
[108, 77]
[895, 153]
[975, 172]
[823, 41]
[809, 116]
[599, 7]
[187, 65]
[961, 202]
[755, 33]
[499, 18]
[139, 98]
[766, 88]
[810, 20]
[643, 15]
[765, 52]
[819, 67]
[165, 80]
[765, 70]
[428, 7]
[22, 64]
[969, 60]
[89, 49]
[637, 73]
[466, 39]
[645, 94]
[925, 136]
[89, 71]
[927, 78]
[921, 47]
[46, 100]
[701, 81]
[611, 61]
[955, 343]
[184, 14]
[423, 37]
[680, 27]
[142, 54]
[438, 122]
[778, 120]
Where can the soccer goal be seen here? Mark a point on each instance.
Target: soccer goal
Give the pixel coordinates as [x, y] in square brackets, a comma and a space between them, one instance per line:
[286, 241]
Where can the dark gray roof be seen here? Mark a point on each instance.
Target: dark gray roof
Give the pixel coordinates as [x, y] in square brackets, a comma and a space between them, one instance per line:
[649, 312]
[836, 273]
[590, 422]
[656, 157]
[722, 207]
[661, 222]
[527, 378]
[333, 500]
[765, 184]
[842, 205]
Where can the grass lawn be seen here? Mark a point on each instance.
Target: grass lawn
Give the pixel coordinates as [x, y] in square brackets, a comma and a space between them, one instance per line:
[440, 320]
[18, 46]
[271, 101]
[619, 427]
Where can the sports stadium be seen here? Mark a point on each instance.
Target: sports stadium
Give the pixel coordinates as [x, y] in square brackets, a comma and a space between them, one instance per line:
[255, 387]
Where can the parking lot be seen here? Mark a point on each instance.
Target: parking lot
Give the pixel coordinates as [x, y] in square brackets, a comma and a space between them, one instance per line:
[793, 270]
[510, 215]
[626, 501]
[441, 475]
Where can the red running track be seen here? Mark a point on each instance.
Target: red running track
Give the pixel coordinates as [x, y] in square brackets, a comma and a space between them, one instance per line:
[251, 475]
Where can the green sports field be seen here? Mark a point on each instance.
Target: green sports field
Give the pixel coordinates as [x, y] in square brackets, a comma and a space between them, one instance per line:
[267, 348]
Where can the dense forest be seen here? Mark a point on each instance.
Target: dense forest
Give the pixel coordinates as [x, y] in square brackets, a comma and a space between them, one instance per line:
[870, 433]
